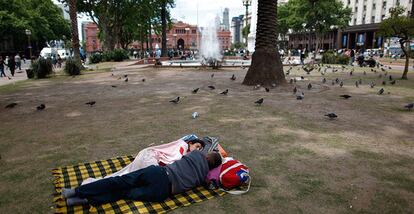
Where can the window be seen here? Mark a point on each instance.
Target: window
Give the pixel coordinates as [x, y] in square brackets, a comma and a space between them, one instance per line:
[365, 8]
[356, 9]
[193, 31]
[355, 21]
[372, 19]
[383, 17]
[374, 6]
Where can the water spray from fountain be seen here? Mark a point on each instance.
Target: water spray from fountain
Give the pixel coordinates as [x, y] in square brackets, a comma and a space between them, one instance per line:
[210, 48]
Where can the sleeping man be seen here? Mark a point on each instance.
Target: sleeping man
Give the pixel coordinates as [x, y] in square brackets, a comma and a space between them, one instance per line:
[153, 183]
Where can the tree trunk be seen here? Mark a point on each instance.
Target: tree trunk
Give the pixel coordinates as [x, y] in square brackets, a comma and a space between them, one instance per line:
[266, 68]
[164, 28]
[406, 51]
[150, 35]
[74, 29]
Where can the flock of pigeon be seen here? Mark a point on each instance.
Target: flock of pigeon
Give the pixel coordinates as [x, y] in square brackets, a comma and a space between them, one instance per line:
[299, 95]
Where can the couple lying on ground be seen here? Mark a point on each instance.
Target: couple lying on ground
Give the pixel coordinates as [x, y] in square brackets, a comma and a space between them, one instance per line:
[155, 174]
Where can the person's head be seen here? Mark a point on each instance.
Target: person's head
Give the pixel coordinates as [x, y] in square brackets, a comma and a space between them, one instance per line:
[196, 144]
[213, 160]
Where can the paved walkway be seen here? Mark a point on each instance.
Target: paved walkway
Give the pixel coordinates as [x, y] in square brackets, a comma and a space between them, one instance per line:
[18, 74]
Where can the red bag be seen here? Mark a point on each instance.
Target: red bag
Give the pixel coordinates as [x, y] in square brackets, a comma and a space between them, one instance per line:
[234, 174]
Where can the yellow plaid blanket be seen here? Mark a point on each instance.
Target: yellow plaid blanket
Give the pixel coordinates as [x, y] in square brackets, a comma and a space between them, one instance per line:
[72, 176]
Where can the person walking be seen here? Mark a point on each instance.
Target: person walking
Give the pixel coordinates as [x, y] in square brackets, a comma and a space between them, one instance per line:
[12, 65]
[18, 61]
[2, 67]
[59, 61]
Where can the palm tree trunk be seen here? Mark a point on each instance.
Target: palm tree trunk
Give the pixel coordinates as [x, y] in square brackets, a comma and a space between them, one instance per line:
[406, 51]
[164, 28]
[266, 68]
[74, 29]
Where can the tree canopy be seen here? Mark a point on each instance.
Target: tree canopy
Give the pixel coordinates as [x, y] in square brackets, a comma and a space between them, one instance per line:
[398, 25]
[43, 18]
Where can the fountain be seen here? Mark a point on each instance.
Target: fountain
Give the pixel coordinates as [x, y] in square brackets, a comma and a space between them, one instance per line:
[210, 48]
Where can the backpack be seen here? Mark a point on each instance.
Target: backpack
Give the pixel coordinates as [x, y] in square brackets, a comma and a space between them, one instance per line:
[234, 174]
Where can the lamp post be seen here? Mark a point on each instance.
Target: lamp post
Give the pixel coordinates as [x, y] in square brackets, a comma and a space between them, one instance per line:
[247, 3]
[28, 33]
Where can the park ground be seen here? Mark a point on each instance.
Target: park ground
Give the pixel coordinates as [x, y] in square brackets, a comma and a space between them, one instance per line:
[300, 161]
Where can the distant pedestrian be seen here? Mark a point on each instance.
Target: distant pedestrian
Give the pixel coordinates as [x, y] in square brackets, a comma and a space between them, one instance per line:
[12, 65]
[352, 55]
[59, 61]
[54, 61]
[6, 61]
[18, 61]
[302, 57]
[2, 67]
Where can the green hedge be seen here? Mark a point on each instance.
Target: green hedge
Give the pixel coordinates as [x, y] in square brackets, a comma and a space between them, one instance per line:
[42, 68]
[72, 67]
[330, 58]
[116, 55]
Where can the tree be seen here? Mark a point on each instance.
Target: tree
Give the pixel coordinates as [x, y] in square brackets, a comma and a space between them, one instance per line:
[402, 27]
[266, 68]
[314, 16]
[74, 29]
[43, 18]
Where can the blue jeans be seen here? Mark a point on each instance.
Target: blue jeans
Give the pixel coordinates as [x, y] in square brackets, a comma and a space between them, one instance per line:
[2, 72]
[148, 184]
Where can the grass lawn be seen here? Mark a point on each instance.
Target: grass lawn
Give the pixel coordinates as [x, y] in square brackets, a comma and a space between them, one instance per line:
[301, 162]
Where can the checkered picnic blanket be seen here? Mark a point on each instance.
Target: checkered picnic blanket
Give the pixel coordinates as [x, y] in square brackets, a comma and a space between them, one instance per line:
[72, 176]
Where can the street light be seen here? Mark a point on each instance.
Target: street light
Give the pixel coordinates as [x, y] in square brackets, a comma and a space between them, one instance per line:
[28, 33]
[247, 3]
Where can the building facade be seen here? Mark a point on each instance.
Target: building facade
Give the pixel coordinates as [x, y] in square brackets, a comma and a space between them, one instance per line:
[226, 20]
[90, 37]
[183, 36]
[362, 30]
[236, 28]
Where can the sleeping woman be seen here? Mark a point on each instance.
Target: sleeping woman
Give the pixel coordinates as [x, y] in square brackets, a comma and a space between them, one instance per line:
[157, 155]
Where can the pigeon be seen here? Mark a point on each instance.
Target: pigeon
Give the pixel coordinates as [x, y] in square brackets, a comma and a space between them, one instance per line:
[273, 85]
[381, 91]
[225, 92]
[195, 91]
[176, 100]
[345, 96]
[309, 86]
[90, 103]
[331, 116]
[301, 77]
[307, 70]
[41, 107]
[294, 80]
[389, 67]
[233, 77]
[390, 77]
[350, 73]
[301, 96]
[267, 89]
[333, 82]
[409, 106]
[357, 84]
[126, 75]
[337, 80]
[11, 105]
[341, 84]
[212, 75]
[114, 86]
[143, 80]
[372, 84]
[365, 73]
[126, 80]
[291, 81]
[393, 82]
[382, 69]
[384, 83]
[256, 87]
[119, 78]
[295, 90]
[259, 102]
[211, 87]
[324, 80]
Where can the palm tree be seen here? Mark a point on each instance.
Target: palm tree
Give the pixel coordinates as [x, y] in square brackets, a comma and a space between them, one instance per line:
[266, 68]
[164, 27]
[74, 29]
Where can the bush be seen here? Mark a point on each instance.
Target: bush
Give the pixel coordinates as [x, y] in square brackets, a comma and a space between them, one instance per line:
[95, 58]
[107, 56]
[119, 55]
[330, 58]
[72, 67]
[42, 68]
